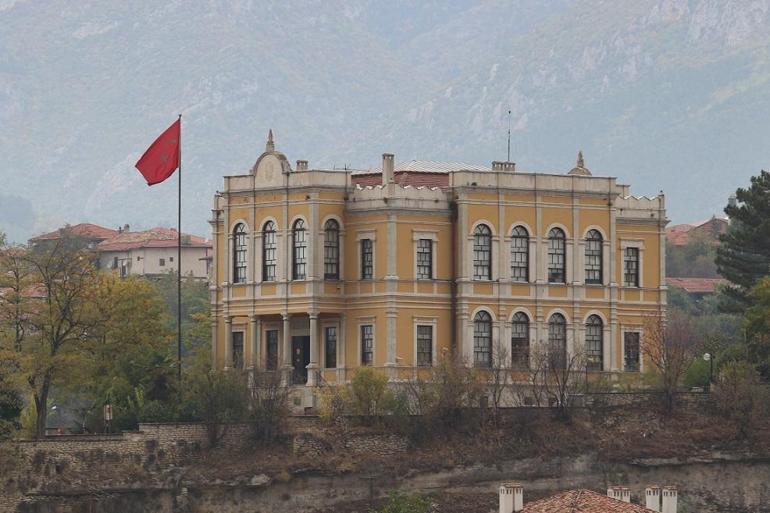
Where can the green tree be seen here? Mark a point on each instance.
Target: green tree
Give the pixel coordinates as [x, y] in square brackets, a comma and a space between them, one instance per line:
[744, 254]
[758, 327]
[48, 315]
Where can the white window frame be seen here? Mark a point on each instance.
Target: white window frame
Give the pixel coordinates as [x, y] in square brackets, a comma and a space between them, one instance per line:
[433, 236]
[366, 321]
[631, 243]
[424, 321]
[640, 331]
[361, 235]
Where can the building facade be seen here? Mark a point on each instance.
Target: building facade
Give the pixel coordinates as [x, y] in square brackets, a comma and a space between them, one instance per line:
[317, 272]
[153, 253]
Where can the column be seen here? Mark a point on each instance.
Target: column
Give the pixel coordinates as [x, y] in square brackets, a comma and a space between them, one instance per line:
[286, 364]
[255, 328]
[228, 342]
[312, 368]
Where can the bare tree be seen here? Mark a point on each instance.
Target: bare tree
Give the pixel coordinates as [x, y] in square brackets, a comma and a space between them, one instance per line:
[499, 376]
[556, 376]
[269, 405]
[669, 345]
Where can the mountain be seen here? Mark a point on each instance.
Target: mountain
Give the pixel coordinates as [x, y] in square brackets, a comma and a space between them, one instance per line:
[664, 94]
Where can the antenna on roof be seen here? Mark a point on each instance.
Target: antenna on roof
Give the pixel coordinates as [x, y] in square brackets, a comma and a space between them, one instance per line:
[509, 136]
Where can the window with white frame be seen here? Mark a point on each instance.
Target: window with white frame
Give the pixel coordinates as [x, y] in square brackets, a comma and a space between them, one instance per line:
[367, 344]
[631, 350]
[424, 345]
[520, 341]
[299, 250]
[367, 259]
[631, 267]
[557, 341]
[239, 253]
[482, 339]
[330, 346]
[482, 253]
[269, 251]
[594, 256]
[331, 250]
[557, 256]
[520, 254]
[424, 259]
[271, 347]
[594, 343]
[237, 349]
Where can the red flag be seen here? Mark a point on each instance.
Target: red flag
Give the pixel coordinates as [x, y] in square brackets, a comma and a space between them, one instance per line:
[162, 157]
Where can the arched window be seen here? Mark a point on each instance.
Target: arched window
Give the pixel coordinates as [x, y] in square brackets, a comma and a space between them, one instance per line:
[269, 252]
[520, 254]
[482, 253]
[331, 250]
[594, 257]
[557, 256]
[299, 250]
[482, 340]
[239, 253]
[557, 341]
[520, 341]
[594, 343]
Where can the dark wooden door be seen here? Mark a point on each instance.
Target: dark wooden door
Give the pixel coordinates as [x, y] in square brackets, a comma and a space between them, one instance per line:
[300, 355]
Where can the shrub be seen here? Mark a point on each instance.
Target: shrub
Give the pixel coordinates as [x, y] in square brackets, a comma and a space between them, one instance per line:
[369, 393]
[740, 396]
[400, 503]
[332, 403]
[269, 406]
[216, 398]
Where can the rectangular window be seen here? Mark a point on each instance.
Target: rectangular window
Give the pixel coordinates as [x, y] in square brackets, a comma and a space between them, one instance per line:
[330, 342]
[170, 259]
[114, 262]
[520, 345]
[269, 255]
[162, 262]
[367, 259]
[425, 259]
[631, 267]
[424, 346]
[367, 344]
[594, 262]
[272, 349]
[631, 357]
[237, 349]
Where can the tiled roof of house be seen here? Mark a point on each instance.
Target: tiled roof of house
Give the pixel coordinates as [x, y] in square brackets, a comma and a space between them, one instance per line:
[85, 230]
[680, 234]
[152, 238]
[696, 285]
[582, 501]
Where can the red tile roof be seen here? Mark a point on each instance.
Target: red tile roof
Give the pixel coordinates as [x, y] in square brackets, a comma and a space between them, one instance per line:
[582, 501]
[696, 285]
[680, 234]
[153, 238]
[85, 230]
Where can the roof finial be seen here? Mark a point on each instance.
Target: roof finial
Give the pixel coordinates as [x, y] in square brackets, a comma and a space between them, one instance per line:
[270, 144]
[580, 168]
[580, 162]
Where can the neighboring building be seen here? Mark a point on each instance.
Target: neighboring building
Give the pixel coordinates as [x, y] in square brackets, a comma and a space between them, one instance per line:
[327, 270]
[709, 231]
[153, 253]
[697, 287]
[90, 235]
[617, 500]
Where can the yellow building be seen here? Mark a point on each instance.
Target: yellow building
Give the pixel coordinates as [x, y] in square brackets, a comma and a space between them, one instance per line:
[319, 271]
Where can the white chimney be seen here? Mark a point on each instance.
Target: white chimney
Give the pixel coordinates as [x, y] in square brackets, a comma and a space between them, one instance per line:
[302, 165]
[652, 497]
[387, 168]
[620, 493]
[669, 499]
[511, 497]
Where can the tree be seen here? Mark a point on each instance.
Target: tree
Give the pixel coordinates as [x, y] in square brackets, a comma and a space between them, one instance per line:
[758, 327]
[556, 376]
[51, 315]
[669, 345]
[744, 254]
[740, 396]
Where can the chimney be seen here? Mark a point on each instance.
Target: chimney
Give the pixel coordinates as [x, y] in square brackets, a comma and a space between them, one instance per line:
[302, 165]
[652, 497]
[669, 499]
[620, 493]
[126, 227]
[511, 497]
[503, 166]
[387, 168]
[732, 200]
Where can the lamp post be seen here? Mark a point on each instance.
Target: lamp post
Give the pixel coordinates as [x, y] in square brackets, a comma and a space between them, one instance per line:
[707, 357]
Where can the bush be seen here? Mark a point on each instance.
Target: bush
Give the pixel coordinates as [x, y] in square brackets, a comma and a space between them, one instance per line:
[741, 397]
[269, 406]
[333, 403]
[369, 393]
[400, 503]
[215, 398]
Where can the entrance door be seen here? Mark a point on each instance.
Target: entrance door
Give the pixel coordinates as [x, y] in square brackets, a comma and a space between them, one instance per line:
[300, 357]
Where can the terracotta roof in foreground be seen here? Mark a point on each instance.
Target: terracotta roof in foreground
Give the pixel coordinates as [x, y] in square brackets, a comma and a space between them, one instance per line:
[152, 238]
[85, 230]
[696, 285]
[582, 501]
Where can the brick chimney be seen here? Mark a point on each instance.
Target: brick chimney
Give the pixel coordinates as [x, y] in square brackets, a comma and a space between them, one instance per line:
[652, 497]
[511, 497]
[669, 499]
[387, 168]
[302, 165]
